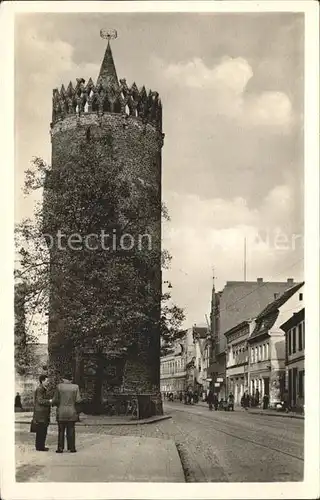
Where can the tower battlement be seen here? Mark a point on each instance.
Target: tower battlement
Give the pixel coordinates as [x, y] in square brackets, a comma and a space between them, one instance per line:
[107, 97]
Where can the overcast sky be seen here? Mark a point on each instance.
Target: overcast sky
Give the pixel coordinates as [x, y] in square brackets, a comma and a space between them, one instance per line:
[232, 93]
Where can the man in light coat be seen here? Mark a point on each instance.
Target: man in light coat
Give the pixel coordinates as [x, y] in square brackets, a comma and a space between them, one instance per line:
[66, 399]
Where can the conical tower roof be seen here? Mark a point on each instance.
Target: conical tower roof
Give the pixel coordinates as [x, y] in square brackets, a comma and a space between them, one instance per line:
[108, 74]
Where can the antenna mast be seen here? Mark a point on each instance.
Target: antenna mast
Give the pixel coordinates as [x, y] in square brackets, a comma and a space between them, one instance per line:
[245, 259]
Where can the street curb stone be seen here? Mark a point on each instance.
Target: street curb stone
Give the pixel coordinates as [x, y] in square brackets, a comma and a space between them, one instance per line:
[276, 414]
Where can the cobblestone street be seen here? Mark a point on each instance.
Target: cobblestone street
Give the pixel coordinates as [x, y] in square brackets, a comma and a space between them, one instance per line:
[213, 446]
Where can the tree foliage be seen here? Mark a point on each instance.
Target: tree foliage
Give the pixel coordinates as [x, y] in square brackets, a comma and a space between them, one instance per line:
[100, 297]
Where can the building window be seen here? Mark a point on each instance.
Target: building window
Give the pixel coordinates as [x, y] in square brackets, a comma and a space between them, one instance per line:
[289, 342]
[267, 350]
[300, 296]
[293, 340]
[300, 335]
[303, 333]
[301, 384]
[256, 355]
[252, 355]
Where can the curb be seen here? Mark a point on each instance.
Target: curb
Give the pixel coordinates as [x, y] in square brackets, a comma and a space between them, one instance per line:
[111, 424]
[276, 414]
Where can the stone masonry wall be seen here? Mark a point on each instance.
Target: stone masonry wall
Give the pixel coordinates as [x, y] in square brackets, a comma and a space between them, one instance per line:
[137, 146]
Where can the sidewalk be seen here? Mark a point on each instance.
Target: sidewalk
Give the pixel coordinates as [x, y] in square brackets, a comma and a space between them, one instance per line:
[259, 411]
[90, 420]
[275, 413]
[104, 458]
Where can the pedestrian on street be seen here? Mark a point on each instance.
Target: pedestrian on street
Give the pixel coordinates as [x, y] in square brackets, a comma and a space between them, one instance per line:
[245, 400]
[41, 413]
[257, 398]
[17, 403]
[66, 398]
[215, 401]
[210, 399]
[265, 401]
[180, 396]
[231, 402]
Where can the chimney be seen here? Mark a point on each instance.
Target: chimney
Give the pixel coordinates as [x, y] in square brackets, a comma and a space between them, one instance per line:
[290, 281]
[276, 295]
[259, 280]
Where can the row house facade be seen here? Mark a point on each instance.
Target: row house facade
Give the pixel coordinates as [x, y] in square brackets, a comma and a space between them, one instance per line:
[267, 347]
[236, 303]
[203, 353]
[177, 368]
[294, 329]
[173, 371]
[186, 368]
[237, 359]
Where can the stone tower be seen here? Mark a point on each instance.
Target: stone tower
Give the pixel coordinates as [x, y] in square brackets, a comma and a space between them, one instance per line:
[124, 126]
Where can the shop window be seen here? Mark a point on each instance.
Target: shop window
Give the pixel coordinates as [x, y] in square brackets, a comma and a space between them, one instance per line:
[300, 340]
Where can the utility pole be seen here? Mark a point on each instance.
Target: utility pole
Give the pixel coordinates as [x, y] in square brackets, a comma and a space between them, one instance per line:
[245, 260]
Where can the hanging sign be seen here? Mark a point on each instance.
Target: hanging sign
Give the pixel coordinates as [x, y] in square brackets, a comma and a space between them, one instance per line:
[219, 379]
[217, 384]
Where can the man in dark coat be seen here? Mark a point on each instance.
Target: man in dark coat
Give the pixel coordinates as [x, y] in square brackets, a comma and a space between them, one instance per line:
[215, 401]
[210, 399]
[257, 398]
[245, 400]
[17, 403]
[66, 398]
[41, 413]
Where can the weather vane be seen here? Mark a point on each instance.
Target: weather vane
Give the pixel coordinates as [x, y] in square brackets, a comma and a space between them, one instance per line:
[108, 34]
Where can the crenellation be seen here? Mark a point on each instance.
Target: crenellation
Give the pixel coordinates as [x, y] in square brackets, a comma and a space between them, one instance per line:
[101, 98]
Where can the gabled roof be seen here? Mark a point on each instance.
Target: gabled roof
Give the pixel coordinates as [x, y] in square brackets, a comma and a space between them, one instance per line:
[274, 306]
[268, 316]
[241, 300]
[295, 319]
